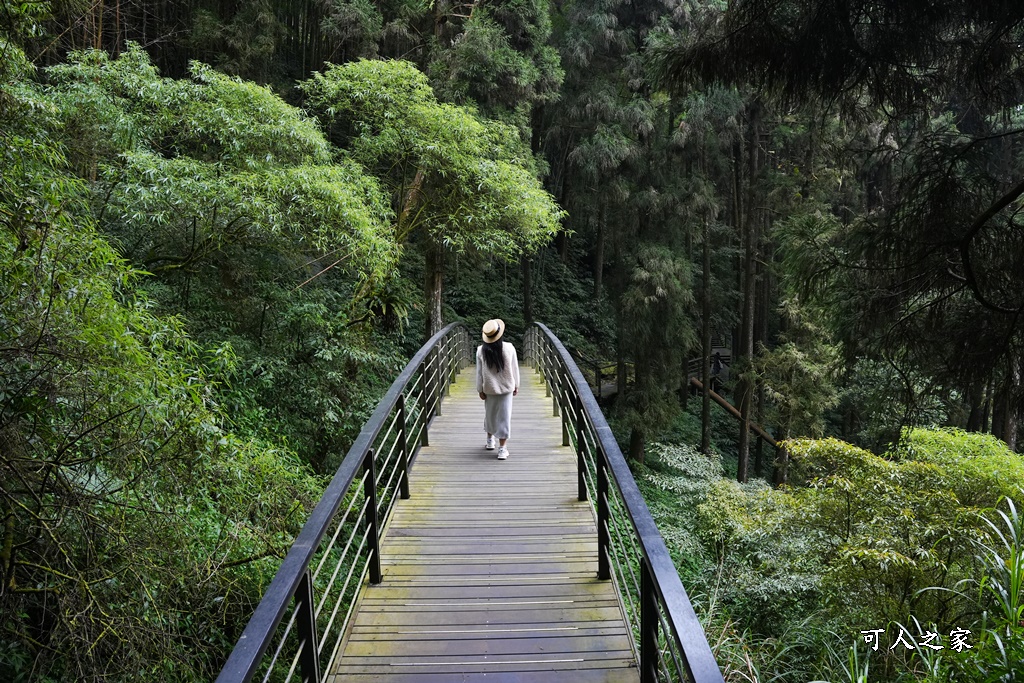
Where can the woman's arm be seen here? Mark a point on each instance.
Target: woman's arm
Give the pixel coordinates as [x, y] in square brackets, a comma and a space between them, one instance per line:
[479, 370]
[515, 370]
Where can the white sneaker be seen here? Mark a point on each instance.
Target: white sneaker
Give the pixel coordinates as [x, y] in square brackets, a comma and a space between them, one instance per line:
[490, 443]
[502, 453]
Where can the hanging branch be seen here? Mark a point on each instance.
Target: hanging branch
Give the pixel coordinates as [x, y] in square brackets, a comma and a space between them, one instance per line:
[970, 276]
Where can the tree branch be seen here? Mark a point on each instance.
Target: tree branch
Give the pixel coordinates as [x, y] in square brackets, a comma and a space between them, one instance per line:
[965, 249]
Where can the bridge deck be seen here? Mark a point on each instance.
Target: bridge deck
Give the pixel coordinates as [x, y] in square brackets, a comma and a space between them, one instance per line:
[490, 567]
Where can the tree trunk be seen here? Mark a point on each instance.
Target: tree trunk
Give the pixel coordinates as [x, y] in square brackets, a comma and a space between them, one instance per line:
[781, 465]
[744, 388]
[434, 285]
[527, 268]
[999, 413]
[599, 253]
[1010, 432]
[684, 383]
[636, 444]
[1010, 427]
[976, 400]
[564, 200]
[705, 333]
[1004, 419]
[620, 363]
[986, 410]
[759, 458]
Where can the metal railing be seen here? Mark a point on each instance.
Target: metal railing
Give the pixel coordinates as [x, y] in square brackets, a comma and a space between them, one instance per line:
[338, 548]
[668, 640]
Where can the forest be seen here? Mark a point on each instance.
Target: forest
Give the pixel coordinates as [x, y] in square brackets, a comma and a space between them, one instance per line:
[226, 226]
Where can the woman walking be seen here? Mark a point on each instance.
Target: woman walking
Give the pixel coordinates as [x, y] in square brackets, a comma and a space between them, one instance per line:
[497, 381]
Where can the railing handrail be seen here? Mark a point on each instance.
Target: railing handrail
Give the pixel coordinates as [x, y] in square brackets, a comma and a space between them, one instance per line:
[255, 639]
[699, 660]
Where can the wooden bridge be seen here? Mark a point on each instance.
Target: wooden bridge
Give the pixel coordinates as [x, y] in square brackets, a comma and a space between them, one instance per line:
[430, 560]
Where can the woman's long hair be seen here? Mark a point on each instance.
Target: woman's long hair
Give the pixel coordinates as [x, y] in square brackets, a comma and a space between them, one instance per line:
[494, 356]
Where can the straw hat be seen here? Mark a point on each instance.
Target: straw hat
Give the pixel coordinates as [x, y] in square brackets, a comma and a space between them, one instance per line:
[493, 329]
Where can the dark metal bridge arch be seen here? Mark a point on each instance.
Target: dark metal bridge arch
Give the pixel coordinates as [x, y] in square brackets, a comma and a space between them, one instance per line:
[428, 560]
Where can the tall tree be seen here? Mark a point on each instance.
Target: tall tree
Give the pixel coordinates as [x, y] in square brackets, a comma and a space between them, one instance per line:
[499, 59]
[458, 182]
[119, 473]
[932, 276]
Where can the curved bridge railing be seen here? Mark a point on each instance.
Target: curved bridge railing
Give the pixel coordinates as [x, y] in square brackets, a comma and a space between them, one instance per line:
[668, 639]
[299, 624]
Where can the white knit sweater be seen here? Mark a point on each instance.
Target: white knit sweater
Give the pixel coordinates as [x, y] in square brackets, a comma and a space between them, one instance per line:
[490, 382]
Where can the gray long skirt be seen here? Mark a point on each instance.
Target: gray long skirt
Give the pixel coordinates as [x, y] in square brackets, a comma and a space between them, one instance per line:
[498, 415]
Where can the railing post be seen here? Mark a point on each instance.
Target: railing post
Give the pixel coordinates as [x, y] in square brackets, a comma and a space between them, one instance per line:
[443, 362]
[309, 657]
[449, 366]
[453, 362]
[438, 389]
[648, 625]
[373, 525]
[547, 373]
[457, 357]
[425, 402]
[581, 462]
[564, 396]
[604, 570]
[403, 447]
[556, 390]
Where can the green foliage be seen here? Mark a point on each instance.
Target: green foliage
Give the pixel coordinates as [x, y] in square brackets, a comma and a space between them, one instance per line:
[989, 617]
[357, 24]
[233, 201]
[674, 479]
[501, 61]
[460, 184]
[184, 168]
[1000, 599]
[245, 41]
[798, 375]
[977, 468]
[19, 23]
[857, 542]
[879, 401]
[468, 181]
[309, 379]
[138, 531]
[654, 317]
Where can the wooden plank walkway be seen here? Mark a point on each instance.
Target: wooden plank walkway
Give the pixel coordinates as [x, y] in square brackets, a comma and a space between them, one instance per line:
[490, 567]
